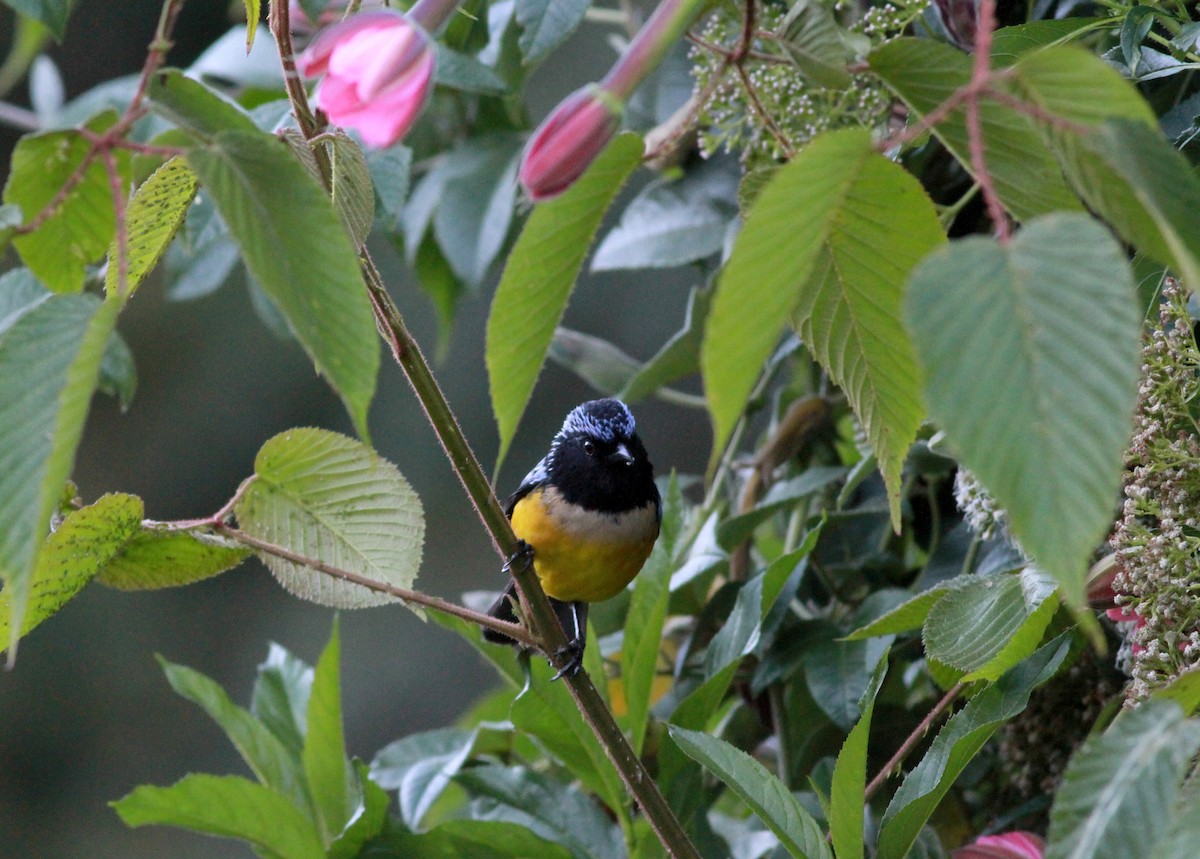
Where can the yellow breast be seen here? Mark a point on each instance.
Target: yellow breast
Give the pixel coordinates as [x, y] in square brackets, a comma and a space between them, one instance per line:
[583, 555]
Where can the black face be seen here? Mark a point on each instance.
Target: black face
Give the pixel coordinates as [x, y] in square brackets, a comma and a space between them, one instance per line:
[611, 476]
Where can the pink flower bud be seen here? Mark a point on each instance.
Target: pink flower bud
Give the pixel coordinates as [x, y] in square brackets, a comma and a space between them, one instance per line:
[567, 142]
[1009, 845]
[378, 69]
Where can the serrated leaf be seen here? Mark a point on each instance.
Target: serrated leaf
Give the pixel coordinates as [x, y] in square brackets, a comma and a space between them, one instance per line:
[155, 214]
[538, 279]
[760, 789]
[390, 172]
[546, 24]
[910, 614]
[815, 44]
[353, 195]
[328, 773]
[1039, 404]
[1119, 790]
[229, 806]
[273, 209]
[156, 558]
[79, 230]
[990, 617]
[51, 13]
[419, 767]
[925, 74]
[830, 241]
[71, 556]
[268, 758]
[333, 499]
[846, 795]
[956, 745]
[49, 364]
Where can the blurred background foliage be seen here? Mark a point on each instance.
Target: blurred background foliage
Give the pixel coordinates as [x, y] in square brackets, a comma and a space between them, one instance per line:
[87, 715]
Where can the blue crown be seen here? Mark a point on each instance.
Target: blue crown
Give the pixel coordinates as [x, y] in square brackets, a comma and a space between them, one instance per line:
[604, 420]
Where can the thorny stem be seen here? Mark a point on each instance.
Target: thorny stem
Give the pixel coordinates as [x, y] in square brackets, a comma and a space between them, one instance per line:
[979, 77]
[915, 737]
[546, 633]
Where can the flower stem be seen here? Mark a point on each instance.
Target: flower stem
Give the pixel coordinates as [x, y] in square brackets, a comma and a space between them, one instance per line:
[668, 23]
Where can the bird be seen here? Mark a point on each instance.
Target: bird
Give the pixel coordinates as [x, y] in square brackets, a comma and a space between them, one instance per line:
[588, 515]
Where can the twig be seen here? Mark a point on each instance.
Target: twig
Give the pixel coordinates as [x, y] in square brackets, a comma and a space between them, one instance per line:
[911, 741]
[980, 76]
[512, 630]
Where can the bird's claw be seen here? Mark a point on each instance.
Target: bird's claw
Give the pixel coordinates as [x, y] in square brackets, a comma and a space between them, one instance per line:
[573, 654]
[520, 558]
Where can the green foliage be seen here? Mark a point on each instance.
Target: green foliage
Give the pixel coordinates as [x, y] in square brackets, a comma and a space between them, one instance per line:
[158, 558]
[155, 214]
[327, 497]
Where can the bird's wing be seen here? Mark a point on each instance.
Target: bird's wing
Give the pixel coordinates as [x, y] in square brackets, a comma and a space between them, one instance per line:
[535, 478]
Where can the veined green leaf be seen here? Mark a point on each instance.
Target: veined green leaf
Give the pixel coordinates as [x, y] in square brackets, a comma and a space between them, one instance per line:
[253, 10]
[1031, 355]
[296, 247]
[846, 796]
[1118, 793]
[49, 364]
[546, 24]
[77, 233]
[155, 214]
[155, 558]
[925, 74]
[353, 194]
[198, 108]
[760, 789]
[333, 499]
[831, 241]
[71, 556]
[280, 697]
[538, 279]
[420, 766]
[229, 806]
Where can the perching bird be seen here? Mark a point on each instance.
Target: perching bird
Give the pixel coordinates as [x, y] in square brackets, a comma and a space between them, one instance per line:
[590, 512]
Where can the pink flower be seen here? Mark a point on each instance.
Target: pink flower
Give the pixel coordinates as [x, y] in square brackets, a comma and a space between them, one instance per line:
[567, 142]
[1009, 845]
[378, 69]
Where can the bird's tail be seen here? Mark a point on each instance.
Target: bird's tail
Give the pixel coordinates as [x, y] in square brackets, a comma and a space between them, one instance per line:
[502, 609]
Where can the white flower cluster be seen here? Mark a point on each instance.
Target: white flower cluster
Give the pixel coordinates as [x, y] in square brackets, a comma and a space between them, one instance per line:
[978, 507]
[1157, 538]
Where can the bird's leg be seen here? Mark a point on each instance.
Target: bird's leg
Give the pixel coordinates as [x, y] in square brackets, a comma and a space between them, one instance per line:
[520, 558]
[572, 616]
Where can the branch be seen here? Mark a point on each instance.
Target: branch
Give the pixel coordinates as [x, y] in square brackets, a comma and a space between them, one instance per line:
[980, 77]
[911, 741]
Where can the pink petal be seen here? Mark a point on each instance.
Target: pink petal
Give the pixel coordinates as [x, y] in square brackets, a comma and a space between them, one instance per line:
[315, 58]
[386, 118]
[374, 59]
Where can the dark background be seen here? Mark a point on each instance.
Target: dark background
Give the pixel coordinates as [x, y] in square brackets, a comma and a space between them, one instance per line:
[86, 714]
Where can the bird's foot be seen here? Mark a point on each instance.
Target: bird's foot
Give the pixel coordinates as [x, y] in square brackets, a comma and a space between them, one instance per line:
[520, 558]
[572, 653]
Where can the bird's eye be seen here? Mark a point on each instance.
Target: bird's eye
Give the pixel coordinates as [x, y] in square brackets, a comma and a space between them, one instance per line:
[589, 447]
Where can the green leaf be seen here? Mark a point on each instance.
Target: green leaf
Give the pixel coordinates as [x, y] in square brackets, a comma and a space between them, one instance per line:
[464, 72]
[846, 797]
[420, 767]
[670, 223]
[548, 808]
[49, 364]
[991, 624]
[390, 173]
[830, 241]
[1074, 84]
[547, 24]
[269, 759]
[644, 621]
[760, 789]
[156, 558]
[1010, 43]
[678, 357]
[1118, 793]
[71, 556]
[1039, 404]
[815, 44]
[10, 219]
[280, 697]
[956, 745]
[1184, 690]
[538, 279]
[229, 806]
[78, 231]
[353, 194]
[475, 206]
[118, 373]
[547, 711]
[333, 499]
[473, 839]
[253, 10]
[20, 292]
[368, 820]
[781, 496]
[328, 772]
[52, 13]
[925, 74]
[595, 360]
[192, 105]
[275, 210]
[838, 674]
[910, 614]
[155, 214]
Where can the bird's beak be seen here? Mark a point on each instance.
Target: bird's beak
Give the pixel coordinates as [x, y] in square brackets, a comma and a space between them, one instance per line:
[621, 456]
